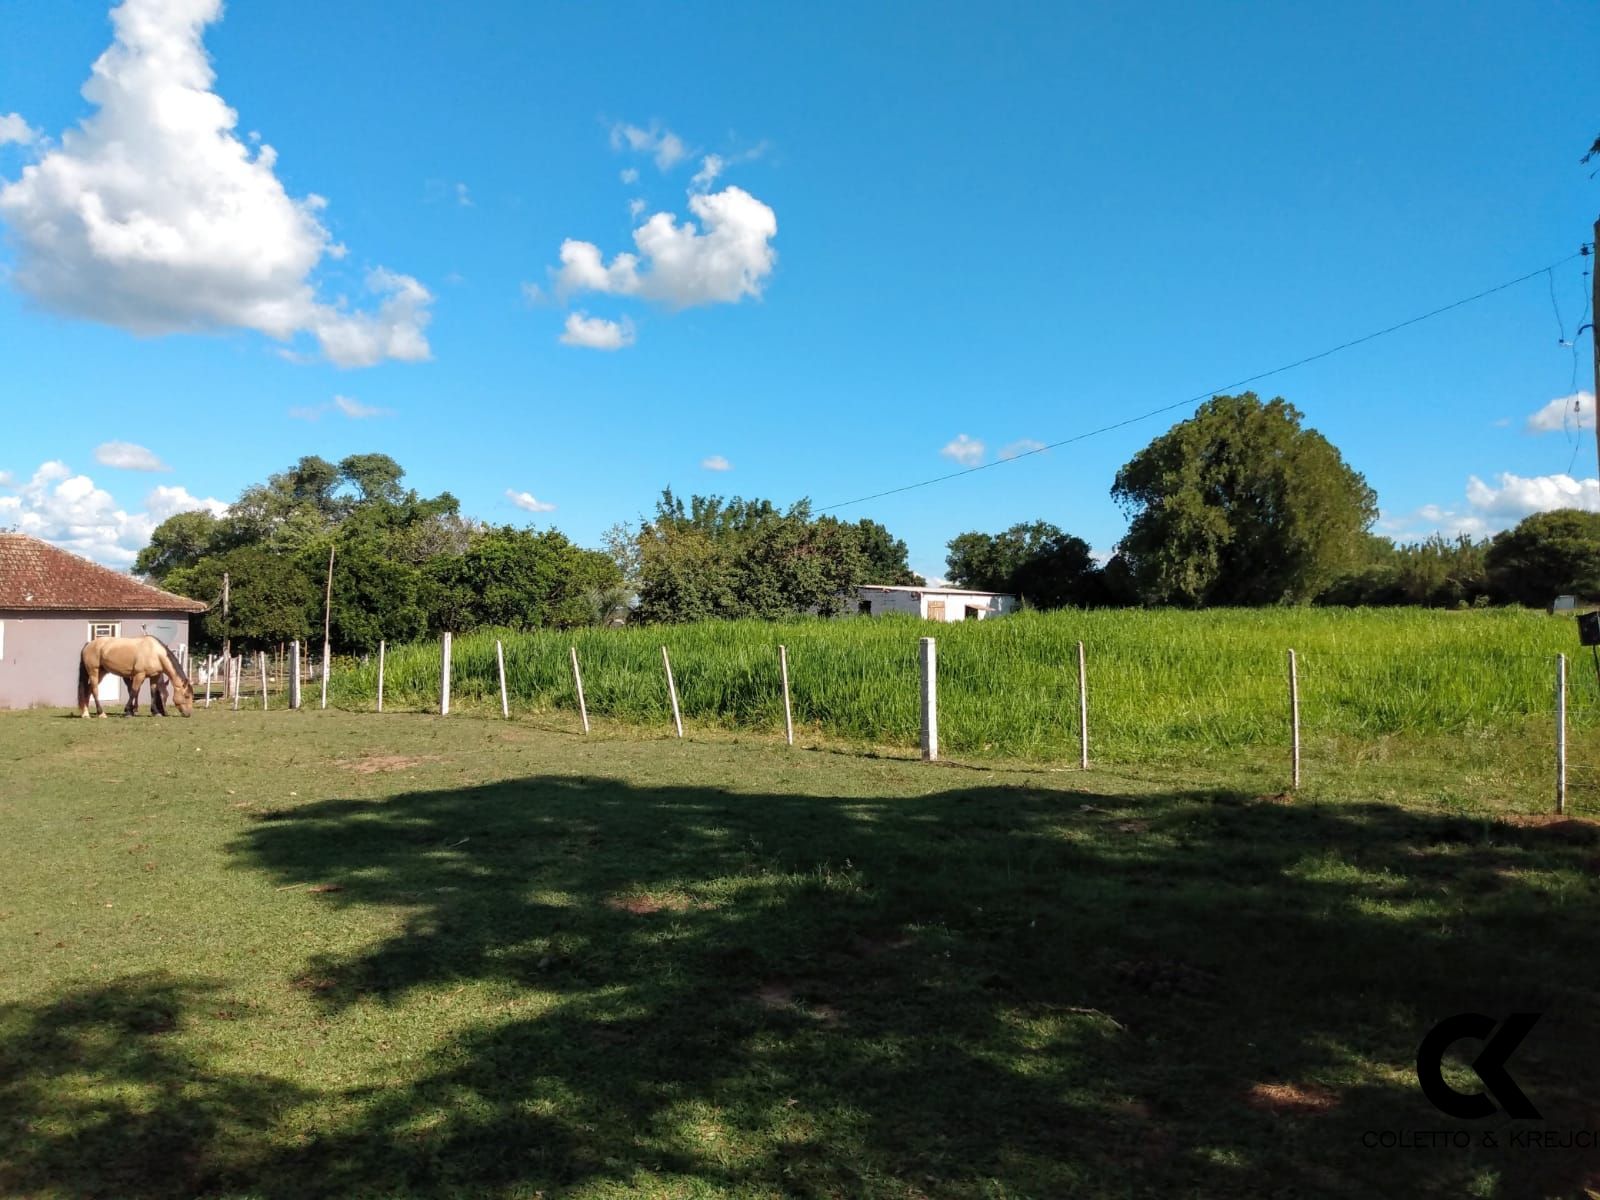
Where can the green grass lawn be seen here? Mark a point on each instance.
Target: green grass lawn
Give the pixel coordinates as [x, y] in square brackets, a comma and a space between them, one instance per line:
[338, 954]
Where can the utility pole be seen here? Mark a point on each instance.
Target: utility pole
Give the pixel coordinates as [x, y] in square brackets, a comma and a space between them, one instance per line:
[1594, 332]
[227, 642]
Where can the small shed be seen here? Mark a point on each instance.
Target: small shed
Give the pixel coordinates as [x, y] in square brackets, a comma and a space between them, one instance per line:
[52, 602]
[932, 603]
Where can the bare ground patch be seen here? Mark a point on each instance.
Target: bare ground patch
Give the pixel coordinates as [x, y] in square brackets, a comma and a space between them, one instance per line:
[374, 764]
[1292, 1099]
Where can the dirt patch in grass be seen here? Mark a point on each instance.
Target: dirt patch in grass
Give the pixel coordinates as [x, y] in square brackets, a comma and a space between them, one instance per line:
[645, 903]
[1165, 977]
[1292, 1099]
[374, 764]
[1570, 831]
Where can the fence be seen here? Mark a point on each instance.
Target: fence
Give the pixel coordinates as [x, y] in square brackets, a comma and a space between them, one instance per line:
[1474, 698]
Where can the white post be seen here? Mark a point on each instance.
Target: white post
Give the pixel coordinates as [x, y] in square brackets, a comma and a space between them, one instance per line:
[380, 676]
[788, 714]
[294, 674]
[1083, 711]
[577, 682]
[210, 670]
[672, 690]
[261, 661]
[235, 670]
[1294, 715]
[1561, 733]
[500, 662]
[444, 678]
[930, 701]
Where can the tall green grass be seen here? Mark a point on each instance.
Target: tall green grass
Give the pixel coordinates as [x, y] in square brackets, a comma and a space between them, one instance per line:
[1158, 680]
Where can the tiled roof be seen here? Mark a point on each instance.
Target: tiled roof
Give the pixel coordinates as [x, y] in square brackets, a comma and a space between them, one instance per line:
[35, 574]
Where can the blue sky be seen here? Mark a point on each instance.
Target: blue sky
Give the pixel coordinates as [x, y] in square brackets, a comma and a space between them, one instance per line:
[1013, 223]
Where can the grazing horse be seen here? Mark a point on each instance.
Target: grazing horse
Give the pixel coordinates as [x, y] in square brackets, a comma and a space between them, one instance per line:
[135, 659]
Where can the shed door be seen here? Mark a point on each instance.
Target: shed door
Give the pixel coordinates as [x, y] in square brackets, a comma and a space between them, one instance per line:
[935, 610]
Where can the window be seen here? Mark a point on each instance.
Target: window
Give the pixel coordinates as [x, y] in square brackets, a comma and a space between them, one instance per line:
[104, 629]
[865, 608]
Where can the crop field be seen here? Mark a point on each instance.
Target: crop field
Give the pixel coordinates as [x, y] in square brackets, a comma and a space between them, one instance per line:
[333, 954]
[1469, 691]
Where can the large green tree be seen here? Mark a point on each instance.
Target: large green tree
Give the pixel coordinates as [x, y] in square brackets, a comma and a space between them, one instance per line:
[1547, 555]
[1241, 504]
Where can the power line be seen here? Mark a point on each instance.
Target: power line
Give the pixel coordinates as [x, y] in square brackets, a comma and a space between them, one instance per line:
[1209, 392]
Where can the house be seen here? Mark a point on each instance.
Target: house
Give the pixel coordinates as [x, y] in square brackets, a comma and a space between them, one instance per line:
[52, 602]
[931, 603]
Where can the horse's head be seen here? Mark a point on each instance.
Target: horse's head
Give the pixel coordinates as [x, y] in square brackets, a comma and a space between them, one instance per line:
[183, 695]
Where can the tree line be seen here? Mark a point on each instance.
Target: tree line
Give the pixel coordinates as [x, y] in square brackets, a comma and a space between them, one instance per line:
[1239, 505]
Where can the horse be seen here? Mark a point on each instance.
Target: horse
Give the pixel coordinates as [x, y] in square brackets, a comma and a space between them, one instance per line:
[135, 660]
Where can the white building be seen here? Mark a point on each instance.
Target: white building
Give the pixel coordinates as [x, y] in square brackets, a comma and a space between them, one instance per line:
[931, 603]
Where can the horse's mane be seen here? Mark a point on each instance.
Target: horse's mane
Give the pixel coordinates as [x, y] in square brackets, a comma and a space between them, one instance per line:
[177, 667]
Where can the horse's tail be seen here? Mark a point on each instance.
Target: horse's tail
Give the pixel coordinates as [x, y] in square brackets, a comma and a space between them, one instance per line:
[83, 682]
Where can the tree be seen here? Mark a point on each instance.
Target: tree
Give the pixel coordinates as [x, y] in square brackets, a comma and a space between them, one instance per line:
[182, 540]
[272, 598]
[376, 477]
[523, 579]
[1546, 555]
[888, 560]
[1036, 561]
[1241, 505]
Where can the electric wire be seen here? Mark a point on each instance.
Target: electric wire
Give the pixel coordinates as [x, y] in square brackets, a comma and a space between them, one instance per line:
[1200, 397]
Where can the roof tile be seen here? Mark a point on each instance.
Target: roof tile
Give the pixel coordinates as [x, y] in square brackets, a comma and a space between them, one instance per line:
[35, 574]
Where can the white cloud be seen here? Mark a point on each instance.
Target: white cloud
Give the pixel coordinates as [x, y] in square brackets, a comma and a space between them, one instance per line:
[629, 175]
[343, 405]
[597, 333]
[966, 451]
[463, 197]
[126, 456]
[679, 265]
[710, 167]
[1569, 413]
[153, 216]
[532, 294]
[1489, 508]
[636, 207]
[68, 510]
[526, 502]
[1020, 447]
[666, 146]
[14, 129]
[716, 463]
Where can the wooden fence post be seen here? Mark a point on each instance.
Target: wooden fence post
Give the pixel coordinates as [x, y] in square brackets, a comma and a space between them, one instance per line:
[1561, 733]
[577, 682]
[930, 701]
[261, 661]
[1294, 717]
[444, 678]
[235, 670]
[210, 670]
[788, 713]
[500, 663]
[294, 673]
[1083, 711]
[380, 676]
[672, 690]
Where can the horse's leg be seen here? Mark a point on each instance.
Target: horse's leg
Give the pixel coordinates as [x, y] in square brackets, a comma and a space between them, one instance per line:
[94, 693]
[158, 695]
[135, 682]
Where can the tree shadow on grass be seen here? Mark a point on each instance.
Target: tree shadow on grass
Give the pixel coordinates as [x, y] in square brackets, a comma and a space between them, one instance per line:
[984, 991]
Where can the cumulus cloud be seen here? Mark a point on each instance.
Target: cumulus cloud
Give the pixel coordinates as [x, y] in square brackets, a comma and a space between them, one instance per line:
[666, 146]
[527, 502]
[126, 456]
[1020, 447]
[597, 333]
[716, 463]
[683, 265]
[710, 167]
[1571, 413]
[153, 216]
[965, 450]
[1491, 507]
[70, 511]
[14, 129]
[343, 405]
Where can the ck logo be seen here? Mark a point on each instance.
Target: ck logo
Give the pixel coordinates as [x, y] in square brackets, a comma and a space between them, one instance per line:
[1489, 1066]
